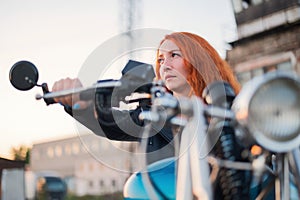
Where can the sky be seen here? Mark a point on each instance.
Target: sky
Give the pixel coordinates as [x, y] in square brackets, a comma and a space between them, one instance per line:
[58, 36]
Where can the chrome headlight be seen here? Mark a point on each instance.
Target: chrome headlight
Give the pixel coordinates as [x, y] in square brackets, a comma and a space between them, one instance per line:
[269, 107]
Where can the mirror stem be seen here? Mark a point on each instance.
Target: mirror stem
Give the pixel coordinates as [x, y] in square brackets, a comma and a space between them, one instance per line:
[45, 91]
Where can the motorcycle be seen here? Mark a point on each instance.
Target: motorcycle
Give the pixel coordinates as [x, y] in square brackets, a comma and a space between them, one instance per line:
[231, 146]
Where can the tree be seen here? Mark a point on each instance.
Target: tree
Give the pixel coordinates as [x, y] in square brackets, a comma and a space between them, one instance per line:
[21, 153]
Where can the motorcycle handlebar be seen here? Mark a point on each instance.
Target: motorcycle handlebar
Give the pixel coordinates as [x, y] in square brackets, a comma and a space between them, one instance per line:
[85, 92]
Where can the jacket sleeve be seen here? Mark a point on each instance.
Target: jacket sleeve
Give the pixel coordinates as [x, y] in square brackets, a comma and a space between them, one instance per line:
[111, 123]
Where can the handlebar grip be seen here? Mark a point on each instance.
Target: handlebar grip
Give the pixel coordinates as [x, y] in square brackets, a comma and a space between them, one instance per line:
[48, 101]
[87, 95]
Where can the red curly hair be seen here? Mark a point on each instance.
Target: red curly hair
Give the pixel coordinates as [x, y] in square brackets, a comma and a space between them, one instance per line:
[203, 63]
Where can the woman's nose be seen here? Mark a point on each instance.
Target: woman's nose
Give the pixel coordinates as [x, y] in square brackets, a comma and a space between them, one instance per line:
[165, 67]
[168, 61]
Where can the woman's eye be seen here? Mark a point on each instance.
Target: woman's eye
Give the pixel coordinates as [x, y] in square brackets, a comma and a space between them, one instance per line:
[175, 54]
[160, 60]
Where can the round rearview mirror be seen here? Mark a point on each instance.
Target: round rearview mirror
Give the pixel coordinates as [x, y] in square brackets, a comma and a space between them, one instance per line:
[23, 75]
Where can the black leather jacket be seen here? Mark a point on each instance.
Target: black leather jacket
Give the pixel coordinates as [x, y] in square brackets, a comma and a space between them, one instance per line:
[126, 126]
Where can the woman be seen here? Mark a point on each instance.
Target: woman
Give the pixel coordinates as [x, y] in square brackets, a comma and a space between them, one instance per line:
[196, 60]
[186, 62]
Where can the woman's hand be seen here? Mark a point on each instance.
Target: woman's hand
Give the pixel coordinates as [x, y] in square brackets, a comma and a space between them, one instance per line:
[69, 100]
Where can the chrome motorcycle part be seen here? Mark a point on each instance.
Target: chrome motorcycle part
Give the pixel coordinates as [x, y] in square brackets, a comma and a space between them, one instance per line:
[269, 107]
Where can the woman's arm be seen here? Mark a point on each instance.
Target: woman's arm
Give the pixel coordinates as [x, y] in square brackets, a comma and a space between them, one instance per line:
[111, 123]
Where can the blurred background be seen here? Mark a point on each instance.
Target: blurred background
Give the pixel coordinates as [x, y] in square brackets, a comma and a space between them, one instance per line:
[254, 36]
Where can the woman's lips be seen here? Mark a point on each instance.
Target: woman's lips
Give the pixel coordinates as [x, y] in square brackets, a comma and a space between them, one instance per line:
[168, 77]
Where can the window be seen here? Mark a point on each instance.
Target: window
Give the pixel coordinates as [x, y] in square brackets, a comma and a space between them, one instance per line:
[240, 5]
[58, 151]
[91, 167]
[82, 167]
[250, 69]
[101, 183]
[246, 4]
[244, 77]
[248, 75]
[50, 152]
[285, 66]
[257, 72]
[75, 148]
[113, 183]
[91, 184]
[68, 149]
[256, 2]
[237, 6]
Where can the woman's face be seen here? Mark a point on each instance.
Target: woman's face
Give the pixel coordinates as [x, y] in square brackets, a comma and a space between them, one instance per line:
[172, 69]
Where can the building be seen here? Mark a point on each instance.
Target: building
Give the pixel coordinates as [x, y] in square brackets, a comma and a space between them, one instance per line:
[268, 37]
[12, 179]
[91, 165]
